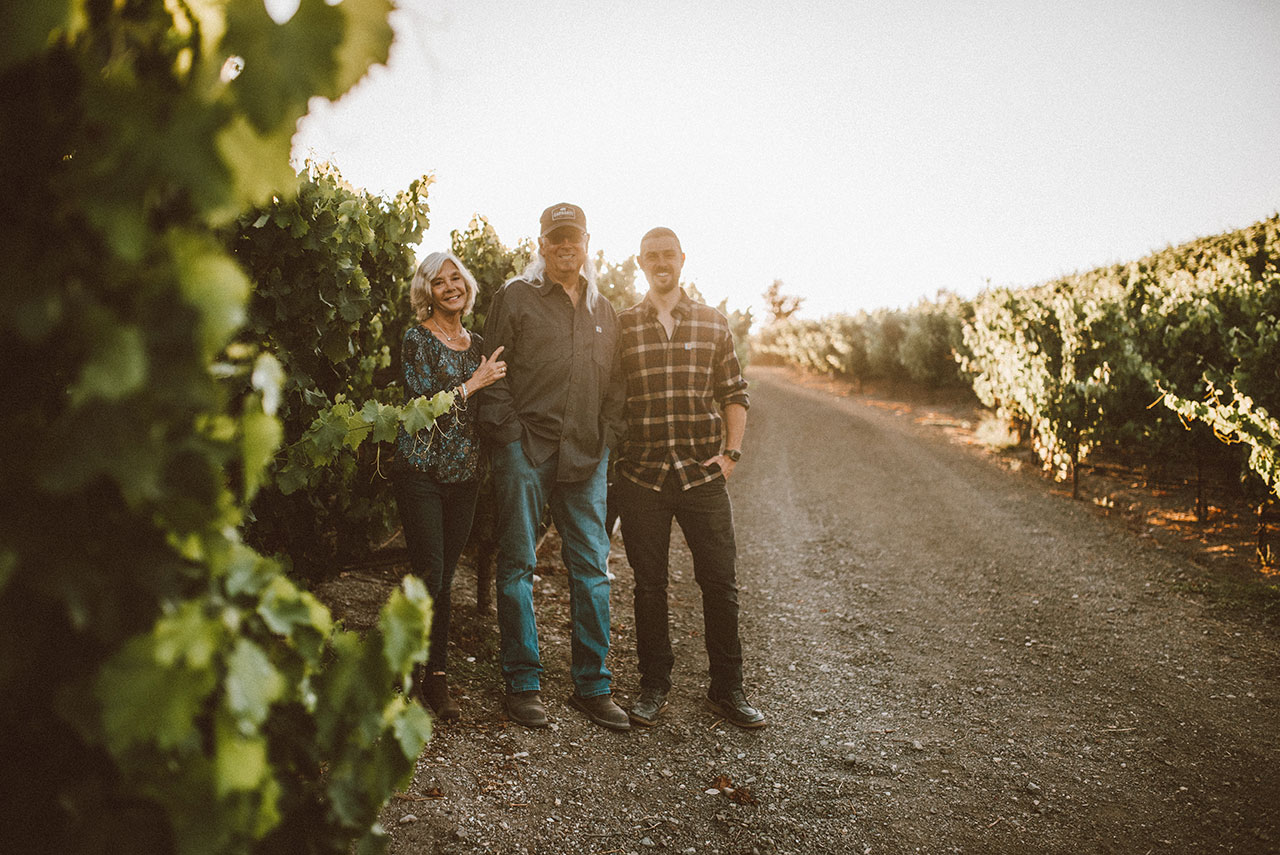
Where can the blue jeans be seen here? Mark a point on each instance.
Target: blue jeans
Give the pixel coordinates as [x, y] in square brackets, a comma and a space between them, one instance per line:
[437, 521]
[705, 516]
[577, 508]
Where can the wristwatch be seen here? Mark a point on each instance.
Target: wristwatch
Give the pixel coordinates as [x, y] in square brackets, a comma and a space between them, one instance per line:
[733, 454]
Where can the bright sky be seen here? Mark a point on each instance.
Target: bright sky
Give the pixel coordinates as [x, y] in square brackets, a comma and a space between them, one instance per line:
[865, 153]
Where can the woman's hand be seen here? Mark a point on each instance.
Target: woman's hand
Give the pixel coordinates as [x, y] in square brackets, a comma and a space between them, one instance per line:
[490, 370]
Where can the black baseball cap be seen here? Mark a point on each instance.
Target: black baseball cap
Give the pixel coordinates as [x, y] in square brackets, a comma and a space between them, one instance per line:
[563, 214]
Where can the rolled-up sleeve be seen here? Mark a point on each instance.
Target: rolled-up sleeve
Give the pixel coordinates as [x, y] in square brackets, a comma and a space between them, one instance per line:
[730, 385]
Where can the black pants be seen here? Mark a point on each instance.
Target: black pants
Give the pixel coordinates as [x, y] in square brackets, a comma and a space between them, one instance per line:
[706, 518]
[437, 522]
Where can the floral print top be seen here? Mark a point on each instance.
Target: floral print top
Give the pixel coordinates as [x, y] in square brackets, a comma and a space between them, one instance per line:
[449, 450]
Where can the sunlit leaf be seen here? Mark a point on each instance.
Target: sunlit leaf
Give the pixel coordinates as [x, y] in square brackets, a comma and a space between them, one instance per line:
[260, 439]
[258, 163]
[405, 621]
[284, 65]
[368, 41]
[284, 607]
[240, 759]
[412, 730]
[146, 702]
[188, 637]
[253, 683]
[423, 411]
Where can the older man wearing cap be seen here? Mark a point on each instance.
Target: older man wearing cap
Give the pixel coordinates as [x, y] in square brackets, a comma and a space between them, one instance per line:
[552, 420]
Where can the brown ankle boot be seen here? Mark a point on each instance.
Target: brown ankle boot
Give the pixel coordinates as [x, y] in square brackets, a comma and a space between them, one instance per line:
[435, 692]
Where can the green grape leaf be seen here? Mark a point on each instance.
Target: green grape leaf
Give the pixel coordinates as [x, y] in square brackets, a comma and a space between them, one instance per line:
[405, 621]
[384, 418]
[352, 308]
[373, 841]
[336, 345]
[284, 65]
[357, 431]
[412, 728]
[214, 284]
[415, 415]
[146, 702]
[117, 365]
[188, 637]
[260, 438]
[368, 40]
[247, 572]
[441, 403]
[240, 759]
[285, 607]
[329, 431]
[258, 164]
[423, 411]
[292, 477]
[252, 684]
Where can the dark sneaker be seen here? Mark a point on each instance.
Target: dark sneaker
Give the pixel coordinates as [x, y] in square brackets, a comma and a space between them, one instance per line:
[734, 708]
[526, 708]
[648, 706]
[602, 710]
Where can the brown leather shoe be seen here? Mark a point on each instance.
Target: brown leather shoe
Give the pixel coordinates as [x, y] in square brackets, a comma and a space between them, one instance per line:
[526, 708]
[435, 693]
[602, 710]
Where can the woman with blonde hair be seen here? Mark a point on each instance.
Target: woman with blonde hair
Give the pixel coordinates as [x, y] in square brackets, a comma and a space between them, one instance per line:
[437, 476]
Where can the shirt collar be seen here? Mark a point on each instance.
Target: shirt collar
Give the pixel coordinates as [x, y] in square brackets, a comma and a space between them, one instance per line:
[544, 286]
[681, 309]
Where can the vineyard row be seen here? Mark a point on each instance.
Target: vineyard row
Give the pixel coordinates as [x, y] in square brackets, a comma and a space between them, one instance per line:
[1169, 356]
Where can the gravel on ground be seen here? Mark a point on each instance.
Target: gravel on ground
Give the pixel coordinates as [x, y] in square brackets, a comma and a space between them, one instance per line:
[953, 657]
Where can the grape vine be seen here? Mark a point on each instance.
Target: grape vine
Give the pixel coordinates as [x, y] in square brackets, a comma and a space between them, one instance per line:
[168, 688]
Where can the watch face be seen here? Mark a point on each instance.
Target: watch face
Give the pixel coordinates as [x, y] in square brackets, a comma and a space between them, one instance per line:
[733, 455]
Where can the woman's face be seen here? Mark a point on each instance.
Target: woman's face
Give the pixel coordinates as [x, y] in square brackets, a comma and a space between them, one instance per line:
[448, 290]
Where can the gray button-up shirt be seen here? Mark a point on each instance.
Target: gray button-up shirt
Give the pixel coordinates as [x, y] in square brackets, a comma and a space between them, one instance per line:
[563, 393]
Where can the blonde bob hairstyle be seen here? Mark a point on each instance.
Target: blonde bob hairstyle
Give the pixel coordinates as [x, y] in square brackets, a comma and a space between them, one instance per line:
[428, 269]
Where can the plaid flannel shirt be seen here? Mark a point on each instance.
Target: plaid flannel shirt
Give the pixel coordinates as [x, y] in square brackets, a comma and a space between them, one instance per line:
[677, 389]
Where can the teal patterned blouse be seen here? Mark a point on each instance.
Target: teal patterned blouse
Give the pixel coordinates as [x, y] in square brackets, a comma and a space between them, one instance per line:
[449, 450]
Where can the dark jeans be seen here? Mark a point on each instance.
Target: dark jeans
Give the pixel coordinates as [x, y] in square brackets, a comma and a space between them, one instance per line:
[437, 521]
[706, 518]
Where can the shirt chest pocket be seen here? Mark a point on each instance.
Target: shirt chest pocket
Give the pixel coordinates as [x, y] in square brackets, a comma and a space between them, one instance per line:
[701, 354]
[603, 347]
[542, 344]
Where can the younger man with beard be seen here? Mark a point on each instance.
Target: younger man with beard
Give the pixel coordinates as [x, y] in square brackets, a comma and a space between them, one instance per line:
[686, 413]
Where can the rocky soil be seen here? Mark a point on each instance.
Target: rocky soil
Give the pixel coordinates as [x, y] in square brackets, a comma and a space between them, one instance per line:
[953, 656]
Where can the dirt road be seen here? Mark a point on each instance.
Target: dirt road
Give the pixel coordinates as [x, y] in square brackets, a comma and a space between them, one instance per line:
[951, 659]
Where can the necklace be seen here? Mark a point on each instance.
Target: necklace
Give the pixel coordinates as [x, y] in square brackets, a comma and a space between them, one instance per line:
[448, 337]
